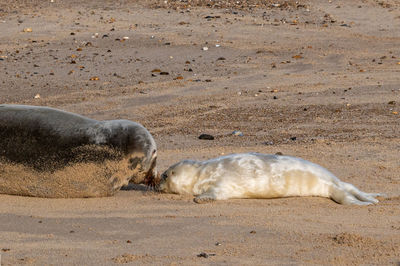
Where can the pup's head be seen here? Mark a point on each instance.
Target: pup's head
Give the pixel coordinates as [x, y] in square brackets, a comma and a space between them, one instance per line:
[179, 178]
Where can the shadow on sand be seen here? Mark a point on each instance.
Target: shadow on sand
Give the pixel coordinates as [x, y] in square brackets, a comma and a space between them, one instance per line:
[137, 187]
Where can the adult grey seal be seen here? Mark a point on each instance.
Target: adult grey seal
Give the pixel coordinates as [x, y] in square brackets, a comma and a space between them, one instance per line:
[255, 175]
[46, 152]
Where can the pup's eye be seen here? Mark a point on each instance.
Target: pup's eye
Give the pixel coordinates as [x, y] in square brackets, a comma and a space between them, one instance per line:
[172, 173]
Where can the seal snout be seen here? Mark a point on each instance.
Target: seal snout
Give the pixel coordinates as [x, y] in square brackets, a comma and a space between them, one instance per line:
[160, 187]
[164, 176]
[152, 177]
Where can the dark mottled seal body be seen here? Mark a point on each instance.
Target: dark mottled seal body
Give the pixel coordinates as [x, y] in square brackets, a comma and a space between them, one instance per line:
[46, 152]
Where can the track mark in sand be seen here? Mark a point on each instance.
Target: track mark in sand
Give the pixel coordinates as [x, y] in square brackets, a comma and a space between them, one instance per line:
[368, 244]
[125, 258]
[353, 240]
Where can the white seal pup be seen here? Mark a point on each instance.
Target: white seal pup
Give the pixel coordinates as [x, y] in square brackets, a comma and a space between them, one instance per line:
[45, 152]
[255, 175]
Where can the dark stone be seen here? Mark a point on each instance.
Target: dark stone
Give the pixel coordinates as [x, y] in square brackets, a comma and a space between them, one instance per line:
[206, 137]
[202, 255]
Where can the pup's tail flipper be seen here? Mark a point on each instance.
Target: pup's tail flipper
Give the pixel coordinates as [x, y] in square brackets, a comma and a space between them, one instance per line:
[345, 193]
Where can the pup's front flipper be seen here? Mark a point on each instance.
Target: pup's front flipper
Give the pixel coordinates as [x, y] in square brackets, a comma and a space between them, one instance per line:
[205, 198]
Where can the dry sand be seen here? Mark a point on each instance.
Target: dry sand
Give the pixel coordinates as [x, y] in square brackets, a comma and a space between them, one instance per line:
[318, 80]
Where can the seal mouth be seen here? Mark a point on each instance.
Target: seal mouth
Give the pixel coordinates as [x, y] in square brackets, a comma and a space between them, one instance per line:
[160, 186]
[152, 178]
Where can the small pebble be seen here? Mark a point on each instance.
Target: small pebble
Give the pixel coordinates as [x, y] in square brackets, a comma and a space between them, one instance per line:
[205, 48]
[268, 143]
[237, 133]
[205, 255]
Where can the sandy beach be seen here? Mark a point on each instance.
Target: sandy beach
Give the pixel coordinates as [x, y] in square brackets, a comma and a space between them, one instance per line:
[314, 79]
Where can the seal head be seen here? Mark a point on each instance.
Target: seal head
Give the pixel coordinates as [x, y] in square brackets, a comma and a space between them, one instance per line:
[136, 142]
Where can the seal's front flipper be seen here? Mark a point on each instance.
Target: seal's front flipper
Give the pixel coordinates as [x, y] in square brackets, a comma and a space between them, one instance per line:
[204, 198]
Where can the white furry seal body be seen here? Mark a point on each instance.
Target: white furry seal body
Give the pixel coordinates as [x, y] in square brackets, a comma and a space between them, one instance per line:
[254, 175]
[45, 152]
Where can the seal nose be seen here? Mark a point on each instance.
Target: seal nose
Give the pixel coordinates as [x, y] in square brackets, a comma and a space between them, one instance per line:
[152, 177]
[164, 176]
[160, 187]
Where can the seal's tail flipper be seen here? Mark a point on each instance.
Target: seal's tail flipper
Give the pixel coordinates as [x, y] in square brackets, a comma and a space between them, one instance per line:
[345, 193]
[363, 196]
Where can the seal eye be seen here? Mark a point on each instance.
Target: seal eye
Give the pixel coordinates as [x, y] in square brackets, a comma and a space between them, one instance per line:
[172, 173]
